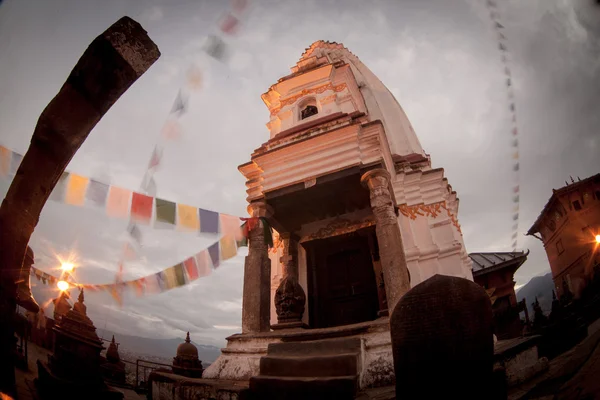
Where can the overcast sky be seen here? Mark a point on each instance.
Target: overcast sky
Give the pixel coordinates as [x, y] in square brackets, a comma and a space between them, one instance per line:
[438, 57]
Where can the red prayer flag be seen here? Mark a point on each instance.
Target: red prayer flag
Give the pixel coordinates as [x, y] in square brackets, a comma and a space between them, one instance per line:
[229, 24]
[141, 207]
[191, 268]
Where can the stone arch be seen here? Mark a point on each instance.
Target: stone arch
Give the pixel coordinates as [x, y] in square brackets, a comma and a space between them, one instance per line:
[307, 108]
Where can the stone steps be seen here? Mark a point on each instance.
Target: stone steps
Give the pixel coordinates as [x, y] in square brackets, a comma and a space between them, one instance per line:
[316, 369]
[290, 388]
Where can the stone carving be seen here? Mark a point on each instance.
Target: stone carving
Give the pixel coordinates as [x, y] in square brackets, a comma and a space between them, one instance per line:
[441, 333]
[429, 210]
[289, 297]
[339, 226]
[317, 90]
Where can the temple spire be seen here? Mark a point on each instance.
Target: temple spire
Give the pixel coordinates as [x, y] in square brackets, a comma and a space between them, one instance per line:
[187, 338]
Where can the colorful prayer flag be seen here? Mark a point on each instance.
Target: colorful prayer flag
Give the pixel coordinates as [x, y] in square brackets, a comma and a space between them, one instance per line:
[216, 48]
[187, 217]
[194, 78]
[229, 24]
[213, 252]
[227, 247]
[135, 232]
[516, 167]
[516, 189]
[141, 208]
[165, 212]
[155, 158]
[179, 274]
[239, 5]
[171, 130]
[516, 217]
[180, 105]
[161, 279]
[499, 25]
[76, 189]
[515, 155]
[501, 46]
[5, 157]
[204, 263]
[516, 199]
[97, 193]
[171, 278]
[191, 268]
[515, 143]
[209, 221]
[515, 132]
[118, 203]
[230, 226]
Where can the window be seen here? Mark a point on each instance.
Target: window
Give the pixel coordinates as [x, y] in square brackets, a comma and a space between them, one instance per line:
[559, 247]
[309, 111]
[576, 205]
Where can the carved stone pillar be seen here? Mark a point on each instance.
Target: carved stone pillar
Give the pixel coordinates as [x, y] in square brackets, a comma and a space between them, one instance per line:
[391, 249]
[256, 300]
[290, 297]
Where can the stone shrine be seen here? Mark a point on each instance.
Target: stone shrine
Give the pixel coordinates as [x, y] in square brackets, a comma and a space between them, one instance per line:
[361, 217]
[113, 369]
[186, 362]
[74, 366]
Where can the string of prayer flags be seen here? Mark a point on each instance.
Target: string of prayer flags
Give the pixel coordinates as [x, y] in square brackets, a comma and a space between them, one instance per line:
[76, 190]
[502, 46]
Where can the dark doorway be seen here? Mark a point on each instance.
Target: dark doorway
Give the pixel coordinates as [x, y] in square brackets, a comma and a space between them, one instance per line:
[342, 285]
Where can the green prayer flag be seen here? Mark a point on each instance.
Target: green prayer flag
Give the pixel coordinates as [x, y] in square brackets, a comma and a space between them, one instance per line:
[179, 274]
[165, 211]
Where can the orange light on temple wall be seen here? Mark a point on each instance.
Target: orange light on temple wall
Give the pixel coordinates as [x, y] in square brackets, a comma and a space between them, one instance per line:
[62, 285]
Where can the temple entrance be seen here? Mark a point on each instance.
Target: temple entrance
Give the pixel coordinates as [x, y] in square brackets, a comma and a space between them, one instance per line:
[342, 286]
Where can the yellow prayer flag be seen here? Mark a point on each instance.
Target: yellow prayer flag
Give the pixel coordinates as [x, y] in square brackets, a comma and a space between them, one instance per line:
[171, 277]
[228, 247]
[118, 203]
[516, 155]
[76, 189]
[5, 156]
[187, 217]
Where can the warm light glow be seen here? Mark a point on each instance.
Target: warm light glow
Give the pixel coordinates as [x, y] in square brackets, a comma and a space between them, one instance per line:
[62, 285]
[597, 238]
[67, 266]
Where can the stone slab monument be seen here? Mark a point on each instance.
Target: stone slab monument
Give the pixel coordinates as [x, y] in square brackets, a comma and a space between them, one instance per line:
[442, 341]
[108, 67]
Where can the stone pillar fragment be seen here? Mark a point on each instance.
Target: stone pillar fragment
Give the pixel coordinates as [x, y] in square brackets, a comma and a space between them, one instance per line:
[256, 301]
[389, 238]
[290, 297]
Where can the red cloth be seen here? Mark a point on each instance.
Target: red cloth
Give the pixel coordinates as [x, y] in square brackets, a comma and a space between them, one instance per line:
[141, 208]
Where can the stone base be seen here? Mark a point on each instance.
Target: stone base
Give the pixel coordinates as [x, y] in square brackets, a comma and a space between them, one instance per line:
[289, 325]
[240, 360]
[166, 386]
[520, 359]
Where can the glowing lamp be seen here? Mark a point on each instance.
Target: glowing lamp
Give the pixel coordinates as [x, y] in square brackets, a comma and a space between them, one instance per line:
[62, 285]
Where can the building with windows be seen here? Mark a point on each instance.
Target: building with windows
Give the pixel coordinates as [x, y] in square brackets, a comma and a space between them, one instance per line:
[569, 228]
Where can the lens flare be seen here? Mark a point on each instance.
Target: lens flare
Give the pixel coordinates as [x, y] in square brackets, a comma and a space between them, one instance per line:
[597, 238]
[62, 285]
[67, 266]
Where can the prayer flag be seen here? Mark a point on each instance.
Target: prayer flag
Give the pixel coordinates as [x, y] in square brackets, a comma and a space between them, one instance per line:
[115, 292]
[135, 232]
[514, 236]
[165, 212]
[187, 217]
[58, 193]
[15, 161]
[228, 247]
[216, 48]
[516, 209]
[516, 155]
[230, 226]
[516, 167]
[515, 226]
[191, 268]
[229, 24]
[239, 5]
[152, 284]
[516, 199]
[508, 82]
[515, 143]
[76, 189]
[209, 221]
[97, 193]
[179, 275]
[194, 78]
[204, 263]
[512, 107]
[516, 189]
[141, 208]
[5, 157]
[515, 132]
[516, 217]
[155, 159]
[140, 286]
[161, 279]
[171, 130]
[171, 277]
[501, 46]
[213, 251]
[491, 3]
[501, 35]
[499, 25]
[180, 105]
[118, 202]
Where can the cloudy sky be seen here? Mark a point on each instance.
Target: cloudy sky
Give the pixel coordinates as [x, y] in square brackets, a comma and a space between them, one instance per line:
[438, 57]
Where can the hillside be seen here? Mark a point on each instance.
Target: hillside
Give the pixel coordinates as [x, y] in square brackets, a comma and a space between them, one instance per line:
[540, 286]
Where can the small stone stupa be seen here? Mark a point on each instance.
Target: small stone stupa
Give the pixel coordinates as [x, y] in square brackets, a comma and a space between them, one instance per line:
[73, 370]
[114, 369]
[186, 362]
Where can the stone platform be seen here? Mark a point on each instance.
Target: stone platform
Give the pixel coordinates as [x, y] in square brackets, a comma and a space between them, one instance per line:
[167, 386]
[240, 360]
